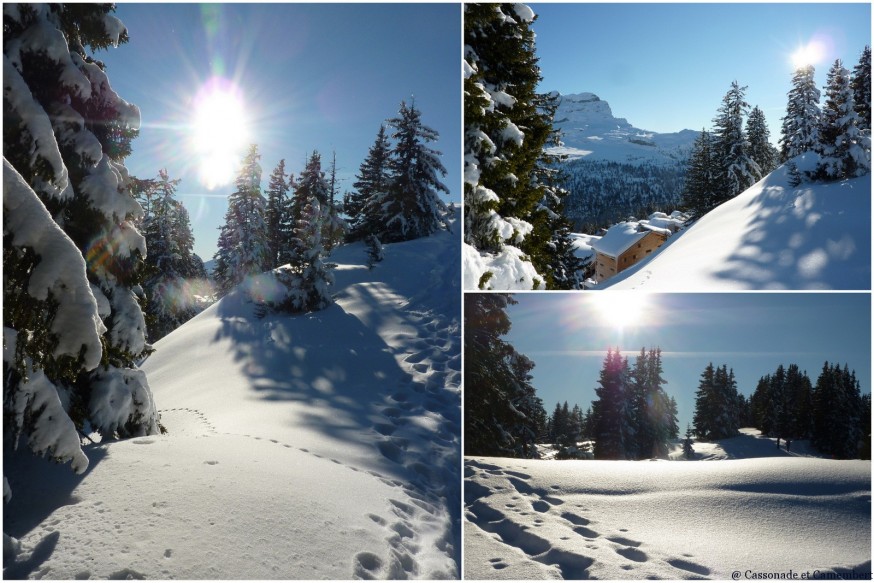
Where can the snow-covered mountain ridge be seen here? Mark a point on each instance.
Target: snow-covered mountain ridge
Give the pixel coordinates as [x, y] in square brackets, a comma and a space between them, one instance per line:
[590, 130]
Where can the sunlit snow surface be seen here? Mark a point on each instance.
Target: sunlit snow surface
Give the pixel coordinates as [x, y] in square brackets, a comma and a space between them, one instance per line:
[322, 446]
[539, 519]
[771, 236]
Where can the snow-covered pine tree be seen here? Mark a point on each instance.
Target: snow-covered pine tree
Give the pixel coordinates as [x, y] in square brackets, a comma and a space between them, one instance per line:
[412, 208]
[242, 245]
[844, 151]
[312, 185]
[492, 423]
[278, 205]
[737, 169]
[171, 266]
[758, 138]
[505, 132]
[801, 124]
[704, 417]
[861, 84]
[527, 405]
[66, 134]
[614, 426]
[688, 450]
[701, 184]
[371, 183]
[561, 268]
[307, 278]
[335, 228]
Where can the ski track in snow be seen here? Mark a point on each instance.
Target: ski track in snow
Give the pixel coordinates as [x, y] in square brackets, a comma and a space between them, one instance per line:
[585, 540]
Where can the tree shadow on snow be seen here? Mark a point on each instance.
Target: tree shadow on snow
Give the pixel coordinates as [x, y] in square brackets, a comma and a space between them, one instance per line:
[805, 239]
[335, 365]
[39, 488]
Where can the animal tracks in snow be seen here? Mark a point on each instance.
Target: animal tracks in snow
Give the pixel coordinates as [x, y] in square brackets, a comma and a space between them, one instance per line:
[559, 532]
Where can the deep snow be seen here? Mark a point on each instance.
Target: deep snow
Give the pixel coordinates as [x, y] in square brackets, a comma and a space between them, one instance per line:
[771, 236]
[539, 519]
[320, 446]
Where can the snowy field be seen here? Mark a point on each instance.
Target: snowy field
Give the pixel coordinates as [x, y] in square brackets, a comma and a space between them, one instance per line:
[745, 511]
[322, 446]
[771, 236]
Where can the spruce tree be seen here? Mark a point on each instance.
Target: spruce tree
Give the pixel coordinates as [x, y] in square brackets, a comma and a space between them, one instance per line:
[171, 268]
[494, 387]
[837, 406]
[843, 151]
[801, 124]
[760, 148]
[412, 207]
[688, 450]
[371, 184]
[278, 205]
[505, 133]
[861, 84]
[701, 184]
[614, 433]
[307, 277]
[242, 246]
[71, 251]
[737, 169]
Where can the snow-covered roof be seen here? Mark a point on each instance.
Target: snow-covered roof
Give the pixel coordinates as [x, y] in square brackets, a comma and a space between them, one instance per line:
[618, 238]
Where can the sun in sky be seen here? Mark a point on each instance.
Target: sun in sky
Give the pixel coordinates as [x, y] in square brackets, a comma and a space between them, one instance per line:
[809, 54]
[620, 309]
[219, 131]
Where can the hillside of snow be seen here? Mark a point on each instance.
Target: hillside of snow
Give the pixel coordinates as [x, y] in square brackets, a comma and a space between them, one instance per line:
[318, 446]
[543, 519]
[771, 236]
[589, 130]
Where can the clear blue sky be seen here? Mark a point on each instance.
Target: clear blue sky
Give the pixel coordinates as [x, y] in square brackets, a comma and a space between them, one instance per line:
[567, 336]
[666, 67]
[313, 77]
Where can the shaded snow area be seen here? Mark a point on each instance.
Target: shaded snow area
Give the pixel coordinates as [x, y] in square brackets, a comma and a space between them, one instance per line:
[537, 519]
[749, 444]
[771, 236]
[319, 446]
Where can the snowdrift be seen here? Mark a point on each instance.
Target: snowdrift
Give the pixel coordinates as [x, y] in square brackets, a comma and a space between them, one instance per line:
[771, 236]
[320, 446]
[534, 519]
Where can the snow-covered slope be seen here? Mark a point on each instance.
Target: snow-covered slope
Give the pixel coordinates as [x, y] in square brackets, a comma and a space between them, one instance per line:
[589, 130]
[321, 446]
[771, 236]
[537, 519]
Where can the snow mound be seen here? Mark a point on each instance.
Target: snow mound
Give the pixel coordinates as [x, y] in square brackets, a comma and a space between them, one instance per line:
[535, 519]
[318, 446]
[771, 236]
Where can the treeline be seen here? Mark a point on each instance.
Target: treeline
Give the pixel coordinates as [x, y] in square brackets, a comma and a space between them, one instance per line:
[832, 414]
[297, 224]
[732, 157]
[604, 193]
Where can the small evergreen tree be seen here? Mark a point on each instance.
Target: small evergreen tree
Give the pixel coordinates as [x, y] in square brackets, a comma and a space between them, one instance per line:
[307, 277]
[688, 450]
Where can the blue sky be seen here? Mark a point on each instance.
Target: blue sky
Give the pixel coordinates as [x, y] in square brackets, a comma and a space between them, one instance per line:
[666, 67]
[567, 336]
[312, 77]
